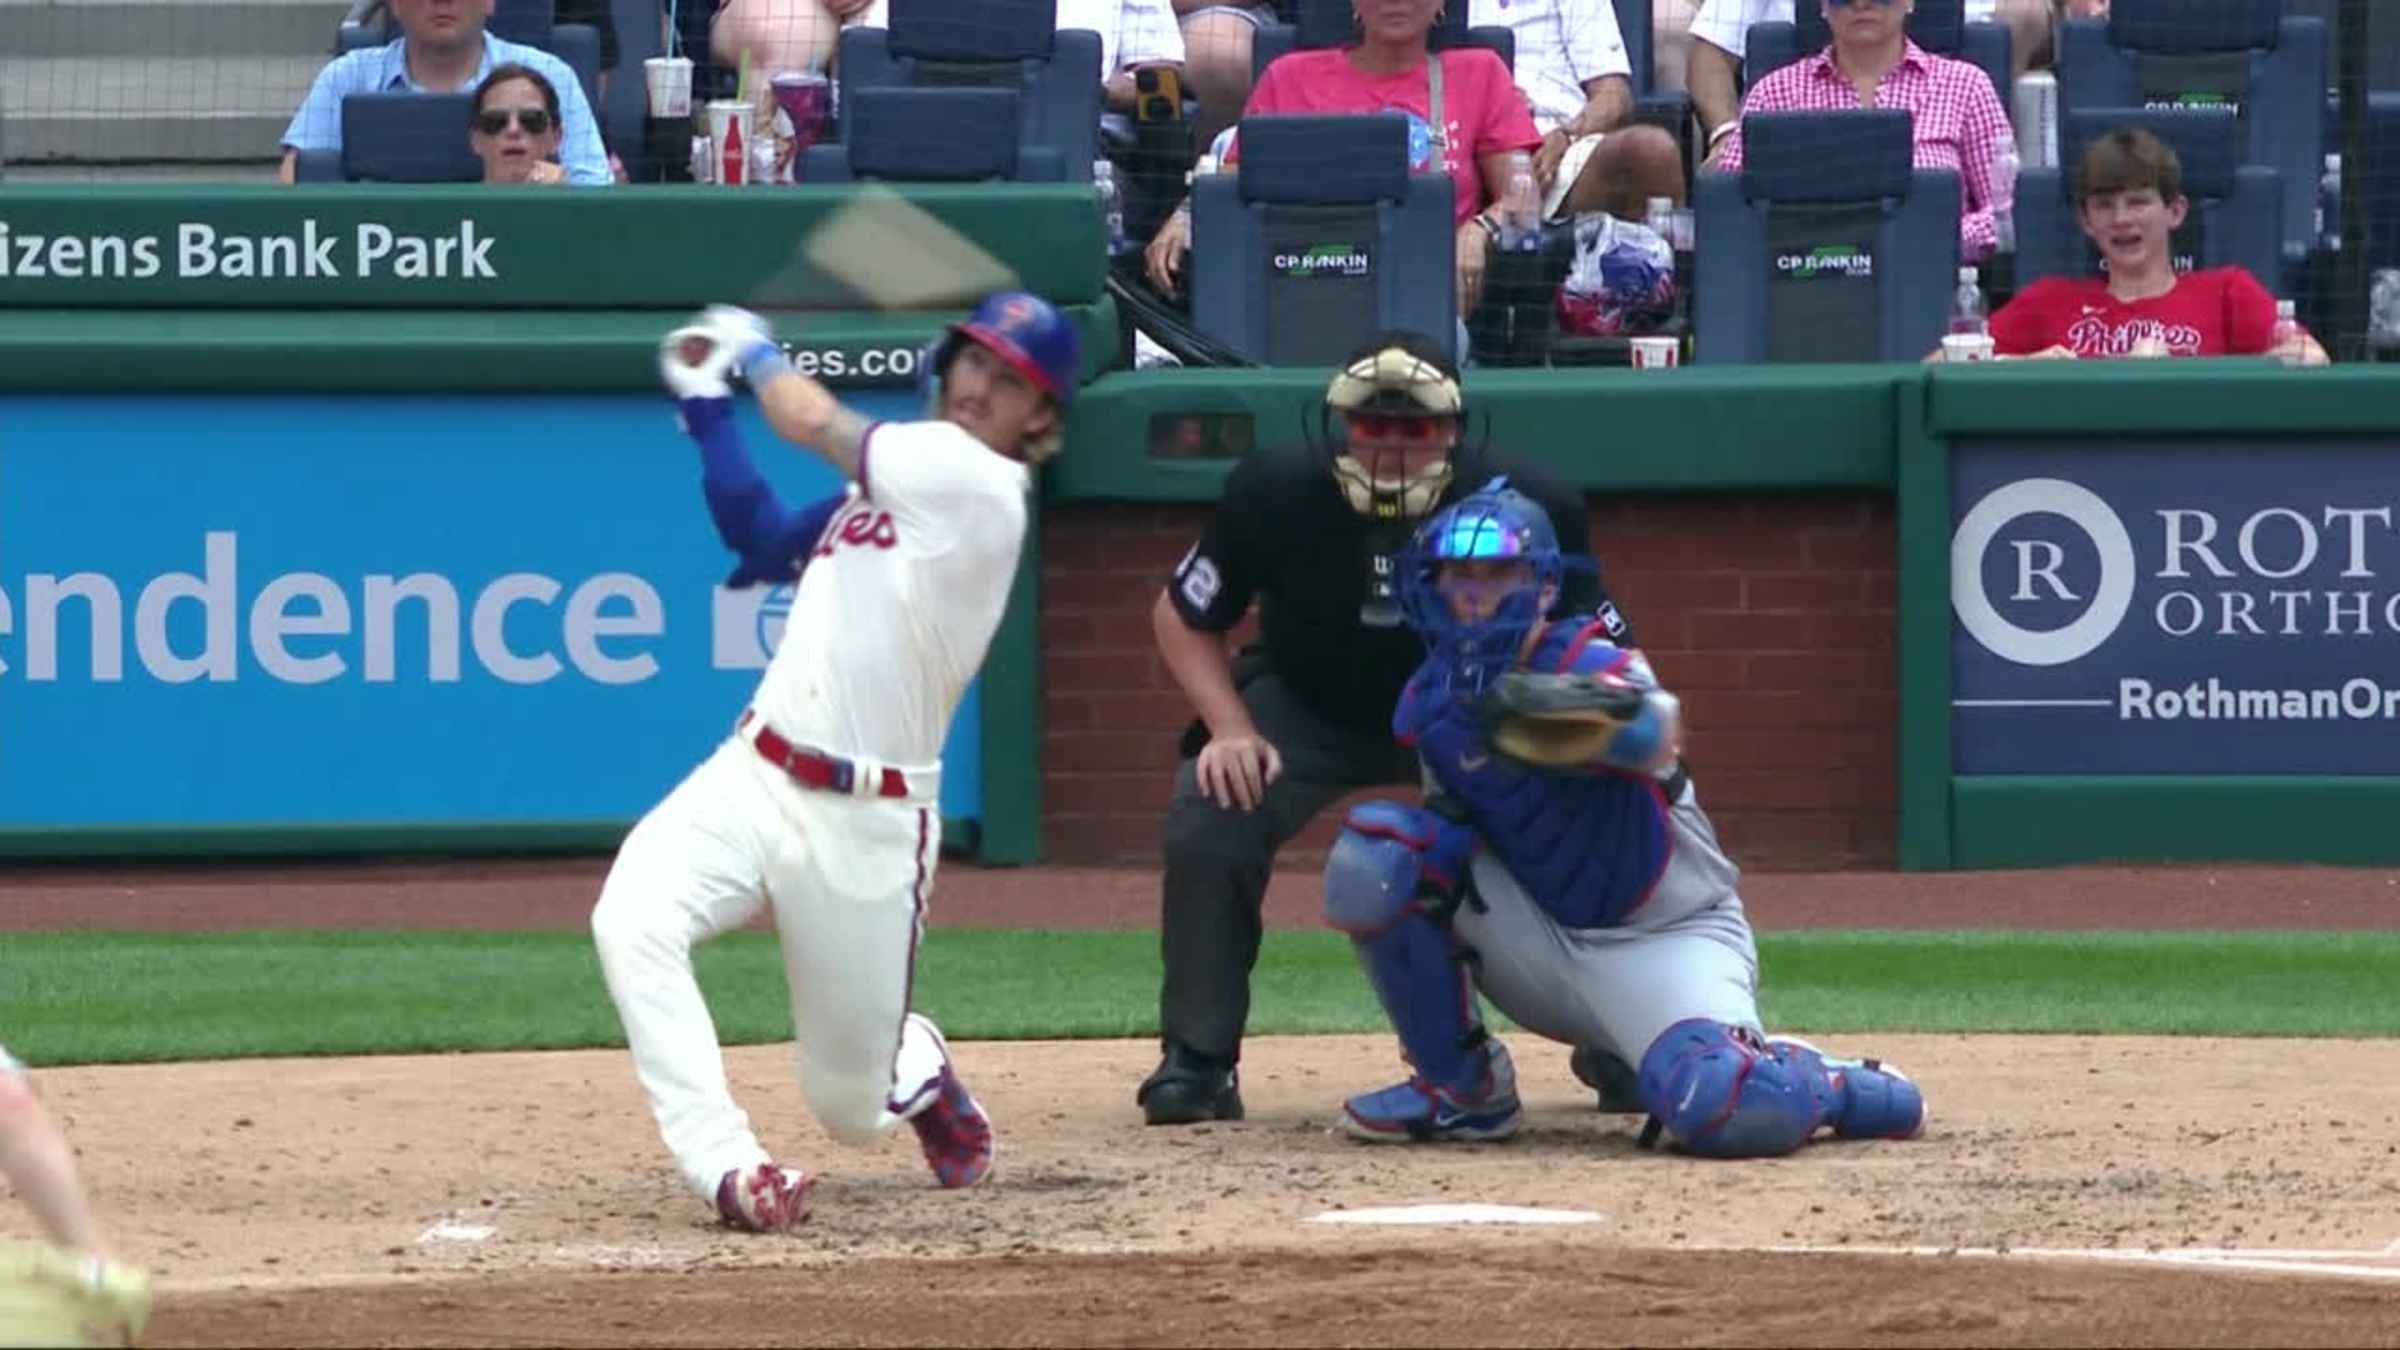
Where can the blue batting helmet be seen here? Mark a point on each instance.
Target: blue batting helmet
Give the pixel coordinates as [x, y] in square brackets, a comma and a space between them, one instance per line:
[1029, 334]
[1494, 523]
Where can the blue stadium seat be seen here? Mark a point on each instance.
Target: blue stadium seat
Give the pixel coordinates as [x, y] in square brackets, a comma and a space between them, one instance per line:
[1330, 23]
[2381, 176]
[2235, 207]
[397, 138]
[1815, 193]
[932, 136]
[991, 44]
[1939, 26]
[1319, 238]
[2271, 70]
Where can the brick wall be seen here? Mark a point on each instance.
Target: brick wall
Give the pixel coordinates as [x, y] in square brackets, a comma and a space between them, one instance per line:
[1772, 617]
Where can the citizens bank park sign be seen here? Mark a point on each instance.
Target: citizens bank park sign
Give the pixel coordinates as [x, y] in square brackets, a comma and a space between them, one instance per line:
[2186, 606]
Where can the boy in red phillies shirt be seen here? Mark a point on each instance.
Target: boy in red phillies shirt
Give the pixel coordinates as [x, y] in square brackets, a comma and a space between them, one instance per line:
[2129, 199]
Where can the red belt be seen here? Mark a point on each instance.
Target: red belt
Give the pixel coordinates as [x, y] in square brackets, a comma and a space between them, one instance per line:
[813, 768]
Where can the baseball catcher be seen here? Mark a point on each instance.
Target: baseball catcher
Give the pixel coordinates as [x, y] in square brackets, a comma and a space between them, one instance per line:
[1562, 866]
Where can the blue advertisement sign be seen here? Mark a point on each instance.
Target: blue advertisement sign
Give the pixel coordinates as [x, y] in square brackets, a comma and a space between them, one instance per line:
[2175, 606]
[388, 610]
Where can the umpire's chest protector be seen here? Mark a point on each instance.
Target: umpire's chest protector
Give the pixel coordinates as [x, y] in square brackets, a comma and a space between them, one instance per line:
[1587, 846]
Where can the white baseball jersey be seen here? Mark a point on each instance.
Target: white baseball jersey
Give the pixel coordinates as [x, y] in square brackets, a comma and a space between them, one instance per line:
[896, 608]
[1560, 45]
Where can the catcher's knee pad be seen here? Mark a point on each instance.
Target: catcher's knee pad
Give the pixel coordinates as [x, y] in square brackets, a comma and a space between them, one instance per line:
[1387, 855]
[1722, 1093]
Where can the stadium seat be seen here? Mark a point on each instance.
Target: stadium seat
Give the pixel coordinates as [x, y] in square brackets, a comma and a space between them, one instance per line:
[2381, 175]
[989, 44]
[397, 138]
[2268, 71]
[1827, 246]
[1939, 26]
[2235, 206]
[1330, 23]
[933, 136]
[1319, 238]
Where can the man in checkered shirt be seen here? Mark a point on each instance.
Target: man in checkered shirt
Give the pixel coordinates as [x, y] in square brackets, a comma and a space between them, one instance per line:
[1871, 64]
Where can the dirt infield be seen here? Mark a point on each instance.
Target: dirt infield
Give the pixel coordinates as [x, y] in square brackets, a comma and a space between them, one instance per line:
[2147, 1191]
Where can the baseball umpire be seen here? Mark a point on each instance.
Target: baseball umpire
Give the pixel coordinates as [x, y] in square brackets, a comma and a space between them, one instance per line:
[1309, 533]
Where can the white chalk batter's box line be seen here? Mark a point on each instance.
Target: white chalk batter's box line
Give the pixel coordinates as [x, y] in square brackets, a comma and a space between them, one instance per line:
[2366, 1264]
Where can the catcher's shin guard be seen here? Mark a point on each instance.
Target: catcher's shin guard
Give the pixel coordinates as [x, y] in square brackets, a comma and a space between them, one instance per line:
[1722, 1093]
[1868, 1099]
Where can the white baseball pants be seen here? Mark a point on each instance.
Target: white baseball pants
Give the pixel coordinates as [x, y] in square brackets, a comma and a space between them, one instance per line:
[847, 877]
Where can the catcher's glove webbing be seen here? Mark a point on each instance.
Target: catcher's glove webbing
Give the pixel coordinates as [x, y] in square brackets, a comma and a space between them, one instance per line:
[53, 1297]
[1557, 720]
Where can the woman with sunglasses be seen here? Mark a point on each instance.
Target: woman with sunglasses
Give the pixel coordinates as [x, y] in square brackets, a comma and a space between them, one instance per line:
[1959, 124]
[515, 128]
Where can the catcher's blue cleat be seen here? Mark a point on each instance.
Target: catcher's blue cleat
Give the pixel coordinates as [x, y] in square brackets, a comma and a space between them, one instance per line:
[1871, 1099]
[1485, 1109]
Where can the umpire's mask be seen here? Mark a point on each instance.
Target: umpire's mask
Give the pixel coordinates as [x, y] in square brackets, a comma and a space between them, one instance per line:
[1399, 402]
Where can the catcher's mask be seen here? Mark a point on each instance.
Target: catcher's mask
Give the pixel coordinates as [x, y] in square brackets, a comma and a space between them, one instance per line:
[1397, 390]
[1493, 555]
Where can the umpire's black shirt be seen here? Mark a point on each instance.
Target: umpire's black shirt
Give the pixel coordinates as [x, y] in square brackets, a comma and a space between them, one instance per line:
[1285, 536]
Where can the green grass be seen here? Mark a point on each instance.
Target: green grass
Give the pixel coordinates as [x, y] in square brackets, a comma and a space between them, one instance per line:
[125, 997]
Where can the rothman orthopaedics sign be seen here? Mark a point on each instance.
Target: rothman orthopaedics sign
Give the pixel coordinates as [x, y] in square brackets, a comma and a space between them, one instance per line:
[2184, 606]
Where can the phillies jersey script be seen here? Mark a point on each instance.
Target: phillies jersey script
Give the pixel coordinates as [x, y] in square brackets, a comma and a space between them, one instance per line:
[900, 597]
[2216, 311]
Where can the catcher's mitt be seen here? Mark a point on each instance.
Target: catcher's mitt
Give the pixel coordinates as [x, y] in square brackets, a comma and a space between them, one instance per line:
[1556, 720]
[53, 1297]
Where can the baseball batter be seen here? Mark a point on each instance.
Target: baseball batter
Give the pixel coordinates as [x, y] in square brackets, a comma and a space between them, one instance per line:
[69, 1290]
[823, 803]
[1562, 865]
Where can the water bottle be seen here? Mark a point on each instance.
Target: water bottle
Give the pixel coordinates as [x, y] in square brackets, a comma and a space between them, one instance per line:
[2383, 307]
[1969, 313]
[1521, 208]
[2004, 195]
[2287, 331]
[1112, 204]
[2329, 205]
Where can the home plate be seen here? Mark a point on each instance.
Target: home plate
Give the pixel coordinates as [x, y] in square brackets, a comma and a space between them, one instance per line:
[1444, 1214]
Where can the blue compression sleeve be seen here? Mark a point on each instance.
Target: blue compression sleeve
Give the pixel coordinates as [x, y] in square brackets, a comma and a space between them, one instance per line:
[750, 518]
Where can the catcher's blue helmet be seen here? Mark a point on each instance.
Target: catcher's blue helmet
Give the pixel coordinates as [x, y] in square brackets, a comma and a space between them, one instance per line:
[1029, 334]
[1494, 523]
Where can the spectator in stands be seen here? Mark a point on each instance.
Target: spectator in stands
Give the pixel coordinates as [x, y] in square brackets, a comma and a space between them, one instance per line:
[2129, 198]
[1959, 124]
[1721, 32]
[1217, 39]
[802, 35]
[442, 49]
[1670, 42]
[515, 127]
[1571, 68]
[1484, 120]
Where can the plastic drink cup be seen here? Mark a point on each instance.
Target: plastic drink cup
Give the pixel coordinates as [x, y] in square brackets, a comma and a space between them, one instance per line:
[669, 80]
[730, 127]
[1966, 346]
[1657, 353]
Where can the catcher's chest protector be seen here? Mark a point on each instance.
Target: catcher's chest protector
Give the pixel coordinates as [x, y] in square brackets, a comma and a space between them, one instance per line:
[1588, 846]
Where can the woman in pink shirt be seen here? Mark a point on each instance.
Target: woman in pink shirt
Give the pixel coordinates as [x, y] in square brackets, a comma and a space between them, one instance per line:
[1484, 119]
[1958, 122]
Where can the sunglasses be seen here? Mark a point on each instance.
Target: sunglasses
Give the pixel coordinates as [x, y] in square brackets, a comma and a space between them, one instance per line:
[1398, 427]
[534, 120]
[1853, 4]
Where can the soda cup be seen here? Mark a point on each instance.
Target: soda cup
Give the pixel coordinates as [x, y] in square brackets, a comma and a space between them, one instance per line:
[730, 127]
[806, 100]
